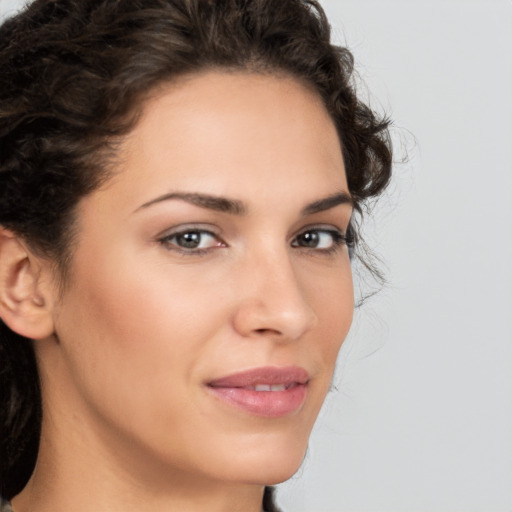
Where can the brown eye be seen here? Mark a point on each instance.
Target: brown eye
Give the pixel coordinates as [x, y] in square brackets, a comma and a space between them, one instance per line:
[192, 240]
[308, 239]
[323, 239]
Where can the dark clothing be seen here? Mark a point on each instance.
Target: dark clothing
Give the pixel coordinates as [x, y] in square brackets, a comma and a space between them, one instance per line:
[5, 506]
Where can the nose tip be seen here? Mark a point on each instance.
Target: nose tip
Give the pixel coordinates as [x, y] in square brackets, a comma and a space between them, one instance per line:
[277, 308]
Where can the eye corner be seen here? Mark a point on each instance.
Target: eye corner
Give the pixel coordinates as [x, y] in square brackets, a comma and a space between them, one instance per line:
[191, 241]
[321, 239]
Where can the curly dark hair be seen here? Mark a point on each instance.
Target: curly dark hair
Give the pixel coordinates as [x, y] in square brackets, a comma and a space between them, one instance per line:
[74, 77]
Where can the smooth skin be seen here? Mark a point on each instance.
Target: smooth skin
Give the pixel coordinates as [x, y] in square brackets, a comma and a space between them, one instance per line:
[171, 289]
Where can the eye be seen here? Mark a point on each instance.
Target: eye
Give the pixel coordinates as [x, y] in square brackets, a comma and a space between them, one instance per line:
[192, 240]
[321, 239]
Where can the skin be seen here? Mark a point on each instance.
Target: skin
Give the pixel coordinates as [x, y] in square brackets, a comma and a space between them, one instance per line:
[128, 422]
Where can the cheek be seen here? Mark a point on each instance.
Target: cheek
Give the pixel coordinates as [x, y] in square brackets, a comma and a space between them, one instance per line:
[134, 330]
[334, 306]
[139, 312]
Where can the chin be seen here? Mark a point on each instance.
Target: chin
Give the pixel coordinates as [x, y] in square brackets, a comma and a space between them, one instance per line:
[263, 452]
[273, 473]
[270, 467]
[279, 475]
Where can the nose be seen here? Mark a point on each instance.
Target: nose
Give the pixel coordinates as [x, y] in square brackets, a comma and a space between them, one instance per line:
[272, 302]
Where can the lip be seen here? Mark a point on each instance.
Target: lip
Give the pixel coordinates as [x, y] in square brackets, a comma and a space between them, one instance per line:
[238, 389]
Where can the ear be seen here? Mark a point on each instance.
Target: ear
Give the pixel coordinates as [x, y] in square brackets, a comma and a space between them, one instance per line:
[25, 292]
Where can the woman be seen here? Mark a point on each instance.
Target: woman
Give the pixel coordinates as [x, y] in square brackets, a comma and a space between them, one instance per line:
[178, 184]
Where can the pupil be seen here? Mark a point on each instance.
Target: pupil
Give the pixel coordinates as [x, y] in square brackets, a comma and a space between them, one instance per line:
[189, 240]
[310, 239]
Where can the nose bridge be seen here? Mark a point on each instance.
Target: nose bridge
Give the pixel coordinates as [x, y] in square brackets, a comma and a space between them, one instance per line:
[274, 301]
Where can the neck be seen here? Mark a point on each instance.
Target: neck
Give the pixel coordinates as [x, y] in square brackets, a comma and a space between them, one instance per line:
[58, 489]
[79, 470]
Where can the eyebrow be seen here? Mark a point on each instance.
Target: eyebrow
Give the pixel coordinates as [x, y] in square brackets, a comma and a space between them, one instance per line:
[235, 207]
[327, 203]
[220, 204]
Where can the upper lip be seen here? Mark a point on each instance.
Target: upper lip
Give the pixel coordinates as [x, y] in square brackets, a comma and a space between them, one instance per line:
[272, 375]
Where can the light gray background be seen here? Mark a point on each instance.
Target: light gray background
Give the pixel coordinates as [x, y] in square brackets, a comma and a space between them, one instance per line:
[424, 424]
[422, 418]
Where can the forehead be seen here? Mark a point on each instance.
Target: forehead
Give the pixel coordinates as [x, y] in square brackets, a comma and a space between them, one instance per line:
[235, 134]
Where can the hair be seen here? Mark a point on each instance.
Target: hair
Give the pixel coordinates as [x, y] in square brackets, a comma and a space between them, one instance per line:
[74, 77]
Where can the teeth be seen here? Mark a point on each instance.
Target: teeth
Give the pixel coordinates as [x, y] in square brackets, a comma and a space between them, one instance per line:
[268, 387]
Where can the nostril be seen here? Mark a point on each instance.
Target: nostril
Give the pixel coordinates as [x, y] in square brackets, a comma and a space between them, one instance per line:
[266, 331]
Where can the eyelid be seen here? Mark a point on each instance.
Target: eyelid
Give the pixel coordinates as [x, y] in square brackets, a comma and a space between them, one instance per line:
[165, 237]
[340, 237]
[184, 228]
[321, 227]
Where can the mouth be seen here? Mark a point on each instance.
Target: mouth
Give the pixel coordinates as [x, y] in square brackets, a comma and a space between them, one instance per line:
[269, 392]
[270, 387]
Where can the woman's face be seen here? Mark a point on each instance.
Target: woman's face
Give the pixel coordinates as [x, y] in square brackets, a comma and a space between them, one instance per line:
[211, 288]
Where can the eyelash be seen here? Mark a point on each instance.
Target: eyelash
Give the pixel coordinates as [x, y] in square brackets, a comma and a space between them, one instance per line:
[167, 242]
[339, 239]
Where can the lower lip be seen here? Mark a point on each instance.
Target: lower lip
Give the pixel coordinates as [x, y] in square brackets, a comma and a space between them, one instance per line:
[269, 404]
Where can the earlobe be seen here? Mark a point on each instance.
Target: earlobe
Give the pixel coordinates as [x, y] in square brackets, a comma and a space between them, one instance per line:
[24, 304]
